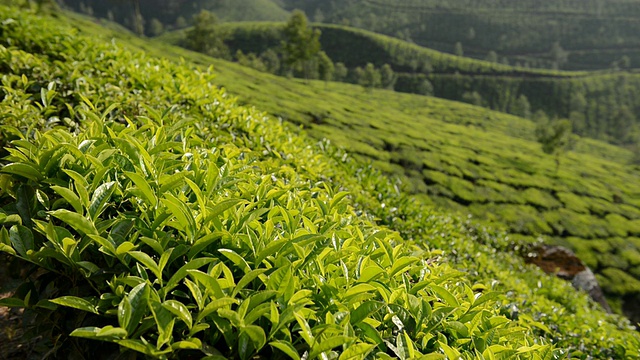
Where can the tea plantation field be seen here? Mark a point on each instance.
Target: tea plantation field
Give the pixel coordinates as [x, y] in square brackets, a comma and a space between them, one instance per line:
[155, 217]
[476, 161]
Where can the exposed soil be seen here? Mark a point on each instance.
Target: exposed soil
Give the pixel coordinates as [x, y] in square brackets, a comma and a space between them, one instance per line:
[12, 344]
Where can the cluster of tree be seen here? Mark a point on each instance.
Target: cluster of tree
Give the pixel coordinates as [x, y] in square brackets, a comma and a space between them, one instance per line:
[206, 37]
[600, 106]
[144, 17]
[436, 23]
[604, 107]
[295, 50]
[298, 53]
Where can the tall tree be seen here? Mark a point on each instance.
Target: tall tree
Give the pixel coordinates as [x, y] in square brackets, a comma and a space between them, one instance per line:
[325, 67]
[205, 36]
[340, 72]
[555, 138]
[155, 27]
[271, 61]
[457, 49]
[370, 77]
[558, 55]
[301, 43]
[388, 77]
[136, 16]
[522, 107]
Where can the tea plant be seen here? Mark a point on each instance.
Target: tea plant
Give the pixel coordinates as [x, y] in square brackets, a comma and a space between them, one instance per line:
[163, 220]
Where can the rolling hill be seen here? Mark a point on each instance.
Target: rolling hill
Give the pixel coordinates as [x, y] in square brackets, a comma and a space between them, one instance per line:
[592, 34]
[162, 219]
[470, 160]
[602, 105]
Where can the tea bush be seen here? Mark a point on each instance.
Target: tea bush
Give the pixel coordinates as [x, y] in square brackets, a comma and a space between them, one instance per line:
[161, 219]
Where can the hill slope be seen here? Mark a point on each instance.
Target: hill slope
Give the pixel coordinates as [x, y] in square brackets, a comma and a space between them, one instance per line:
[594, 33]
[602, 105]
[476, 161]
[178, 13]
[163, 219]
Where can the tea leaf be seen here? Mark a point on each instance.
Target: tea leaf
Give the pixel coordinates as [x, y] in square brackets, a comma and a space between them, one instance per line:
[76, 303]
[76, 221]
[286, 348]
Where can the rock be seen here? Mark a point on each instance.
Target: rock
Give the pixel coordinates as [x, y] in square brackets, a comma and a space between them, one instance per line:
[565, 264]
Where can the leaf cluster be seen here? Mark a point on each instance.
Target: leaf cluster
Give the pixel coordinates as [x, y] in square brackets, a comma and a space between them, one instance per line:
[161, 218]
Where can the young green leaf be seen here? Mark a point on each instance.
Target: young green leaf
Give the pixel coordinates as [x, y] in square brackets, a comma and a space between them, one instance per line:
[286, 348]
[76, 303]
[77, 222]
[99, 199]
[70, 197]
[142, 185]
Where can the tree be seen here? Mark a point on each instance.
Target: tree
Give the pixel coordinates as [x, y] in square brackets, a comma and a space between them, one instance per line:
[250, 60]
[555, 138]
[471, 34]
[492, 56]
[558, 55]
[621, 125]
[271, 61]
[325, 67]
[155, 27]
[457, 49]
[473, 98]
[370, 77]
[425, 87]
[522, 107]
[340, 72]
[357, 75]
[181, 22]
[301, 43]
[625, 62]
[136, 16]
[318, 16]
[387, 77]
[205, 36]
[540, 117]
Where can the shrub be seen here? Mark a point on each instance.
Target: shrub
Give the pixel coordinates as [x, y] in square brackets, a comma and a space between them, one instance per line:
[540, 199]
[169, 222]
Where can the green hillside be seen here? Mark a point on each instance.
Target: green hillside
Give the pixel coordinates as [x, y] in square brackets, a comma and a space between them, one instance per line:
[155, 217]
[474, 160]
[173, 14]
[593, 34]
[602, 105]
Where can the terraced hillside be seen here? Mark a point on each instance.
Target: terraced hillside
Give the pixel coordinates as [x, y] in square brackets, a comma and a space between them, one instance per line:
[476, 161]
[585, 35]
[592, 34]
[601, 105]
[162, 220]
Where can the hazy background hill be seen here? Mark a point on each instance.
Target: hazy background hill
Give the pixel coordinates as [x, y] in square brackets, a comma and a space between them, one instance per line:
[569, 34]
[593, 34]
[602, 105]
